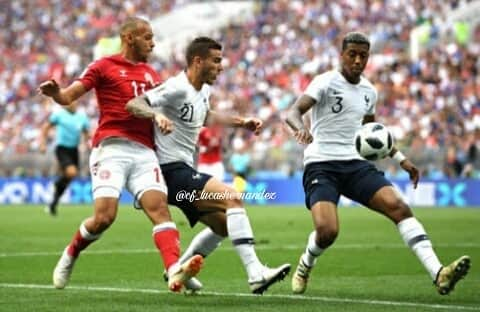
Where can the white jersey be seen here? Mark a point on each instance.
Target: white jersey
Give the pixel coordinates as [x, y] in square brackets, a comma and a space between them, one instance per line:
[336, 116]
[187, 108]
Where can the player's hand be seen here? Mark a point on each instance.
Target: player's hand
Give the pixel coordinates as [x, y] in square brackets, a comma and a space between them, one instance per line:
[409, 167]
[253, 124]
[164, 124]
[49, 88]
[303, 136]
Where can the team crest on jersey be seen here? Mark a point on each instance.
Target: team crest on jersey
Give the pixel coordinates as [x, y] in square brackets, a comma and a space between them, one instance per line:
[123, 73]
[149, 79]
[367, 100]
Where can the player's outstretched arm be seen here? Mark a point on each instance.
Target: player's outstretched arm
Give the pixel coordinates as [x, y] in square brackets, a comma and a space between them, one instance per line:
[140, 108]
[64, 96]
[249, 123]
[406, 165]
[294, 119]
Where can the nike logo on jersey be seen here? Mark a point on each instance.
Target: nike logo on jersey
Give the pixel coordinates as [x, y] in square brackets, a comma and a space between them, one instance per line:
[123, 73]
[315, 181]
[335, 92]
[196, 176]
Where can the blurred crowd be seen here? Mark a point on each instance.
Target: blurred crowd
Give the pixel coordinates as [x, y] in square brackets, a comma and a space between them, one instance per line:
[431, 102]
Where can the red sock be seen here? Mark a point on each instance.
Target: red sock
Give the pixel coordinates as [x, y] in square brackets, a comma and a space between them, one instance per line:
[168, 243]
[78, 244]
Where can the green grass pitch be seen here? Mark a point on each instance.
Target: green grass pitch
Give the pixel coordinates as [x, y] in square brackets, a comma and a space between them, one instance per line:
[367, 269]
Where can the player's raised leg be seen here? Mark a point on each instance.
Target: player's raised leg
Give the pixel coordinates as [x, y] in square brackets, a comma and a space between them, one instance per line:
[204, 243]
[387, 202]
[240, 233]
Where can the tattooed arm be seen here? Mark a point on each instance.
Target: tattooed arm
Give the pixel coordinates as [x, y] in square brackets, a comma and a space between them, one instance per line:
[139, 107]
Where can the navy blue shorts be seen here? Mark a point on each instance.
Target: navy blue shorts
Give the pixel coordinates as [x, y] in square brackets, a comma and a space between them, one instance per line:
[180, 177]
[67, 156]
[358, 180]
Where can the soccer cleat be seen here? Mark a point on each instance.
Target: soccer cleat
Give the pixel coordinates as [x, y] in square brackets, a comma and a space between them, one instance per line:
[192, 285]
[185, 272]
[63, 270]
[269, 277]
[448, 276]
[300, 277]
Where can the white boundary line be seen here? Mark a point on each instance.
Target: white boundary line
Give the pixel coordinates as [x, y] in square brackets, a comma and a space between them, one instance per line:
[258, 247]
[219, 294]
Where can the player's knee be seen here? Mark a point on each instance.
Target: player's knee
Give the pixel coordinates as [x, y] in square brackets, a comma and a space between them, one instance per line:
[220, 228]
[397, 209]
[232, 200]
[103, 221]
[157, 211]
[71, 172]
[326, 235]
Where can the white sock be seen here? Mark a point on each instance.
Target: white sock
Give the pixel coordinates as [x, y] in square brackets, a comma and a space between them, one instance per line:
[416, 238]
[312, 251]
[241, 234]
[86, 234]
[203, 244]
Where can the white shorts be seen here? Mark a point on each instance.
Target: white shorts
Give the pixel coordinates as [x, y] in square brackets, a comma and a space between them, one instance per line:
[216, 170]
[117, 163]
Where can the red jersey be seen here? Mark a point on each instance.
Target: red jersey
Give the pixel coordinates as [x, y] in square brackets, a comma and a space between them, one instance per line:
[210, 145]
[116, 81]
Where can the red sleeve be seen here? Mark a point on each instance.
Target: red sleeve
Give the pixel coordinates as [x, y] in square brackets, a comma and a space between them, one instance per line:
[90, 77]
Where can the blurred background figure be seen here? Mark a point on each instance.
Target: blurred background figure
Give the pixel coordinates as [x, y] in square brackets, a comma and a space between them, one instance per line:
[210, 152]
[71, 128]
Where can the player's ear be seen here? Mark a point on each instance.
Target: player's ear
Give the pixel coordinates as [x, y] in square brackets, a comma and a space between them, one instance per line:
[197, 60]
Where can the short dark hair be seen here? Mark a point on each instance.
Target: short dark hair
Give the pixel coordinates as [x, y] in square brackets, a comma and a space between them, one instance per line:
[355, 37]
[201, 46]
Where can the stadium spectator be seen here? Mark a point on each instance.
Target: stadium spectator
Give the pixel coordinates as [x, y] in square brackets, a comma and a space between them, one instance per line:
[184, 99]
[333, 166]
[122, 154]
[71, 125]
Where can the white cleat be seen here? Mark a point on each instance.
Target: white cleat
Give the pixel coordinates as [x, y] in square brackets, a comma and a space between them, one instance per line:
[63, 270]
[300, 277]
[184, 273]
[269, 277]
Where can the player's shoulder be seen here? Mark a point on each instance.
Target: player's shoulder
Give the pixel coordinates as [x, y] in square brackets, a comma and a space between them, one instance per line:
[368, 87]
[325, 78]
[177, 81]
[109, 59]
[364, 82]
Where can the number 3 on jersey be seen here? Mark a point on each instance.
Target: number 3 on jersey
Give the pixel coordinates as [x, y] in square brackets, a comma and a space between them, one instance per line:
[337, 107]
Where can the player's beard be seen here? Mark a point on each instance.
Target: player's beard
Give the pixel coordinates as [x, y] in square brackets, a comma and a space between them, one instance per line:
[208, 77]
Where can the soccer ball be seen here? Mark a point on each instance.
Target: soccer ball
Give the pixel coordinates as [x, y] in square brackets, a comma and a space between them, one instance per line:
[373, 141]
